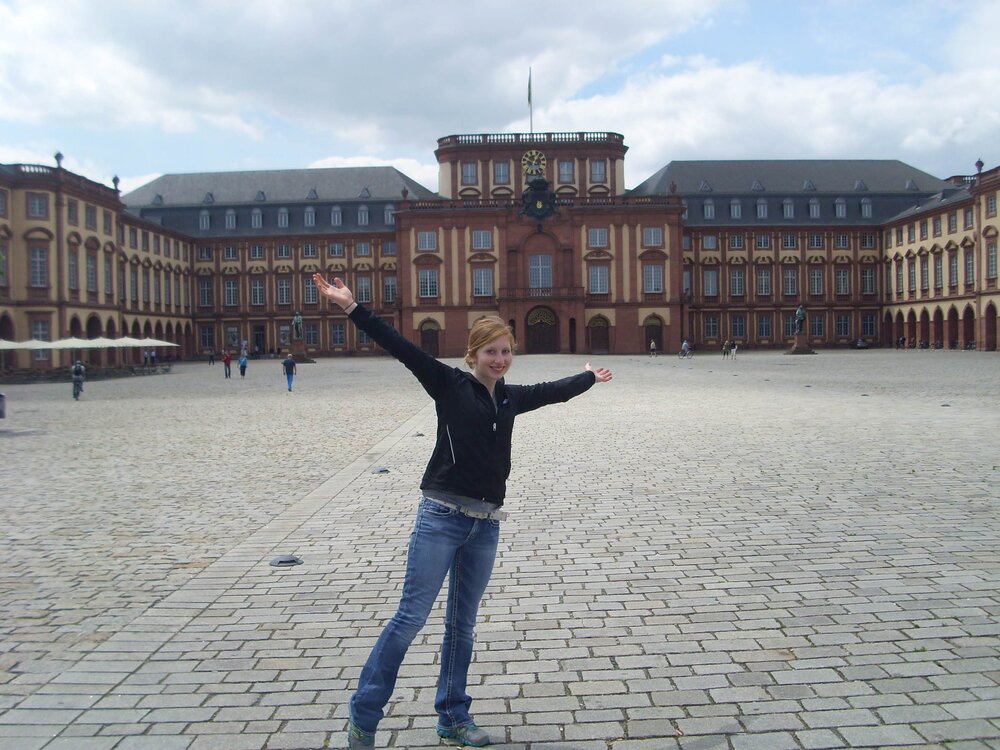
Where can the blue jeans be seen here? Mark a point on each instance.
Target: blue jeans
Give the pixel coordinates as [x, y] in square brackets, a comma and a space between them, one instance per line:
[289, 376]
[443, 542]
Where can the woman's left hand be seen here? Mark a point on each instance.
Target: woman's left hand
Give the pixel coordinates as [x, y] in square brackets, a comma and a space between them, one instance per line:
[601, 374]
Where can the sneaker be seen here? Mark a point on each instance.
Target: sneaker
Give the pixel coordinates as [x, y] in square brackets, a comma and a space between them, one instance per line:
[465, 735]
[358, 738]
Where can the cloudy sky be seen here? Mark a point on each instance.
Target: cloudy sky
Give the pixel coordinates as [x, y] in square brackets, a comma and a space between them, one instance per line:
[138, 88]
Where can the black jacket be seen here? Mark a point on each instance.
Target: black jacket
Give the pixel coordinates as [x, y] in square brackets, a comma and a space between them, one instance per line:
[472, 453]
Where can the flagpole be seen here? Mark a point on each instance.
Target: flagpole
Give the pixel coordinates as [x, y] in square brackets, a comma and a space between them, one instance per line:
[531, 117]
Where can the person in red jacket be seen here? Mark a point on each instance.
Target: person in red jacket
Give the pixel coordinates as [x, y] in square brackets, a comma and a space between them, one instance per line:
[227, 362]
[458, 519]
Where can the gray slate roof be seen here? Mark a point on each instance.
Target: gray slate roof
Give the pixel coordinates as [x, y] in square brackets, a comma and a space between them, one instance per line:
[278, 186]
[789, 177]
[936, 202]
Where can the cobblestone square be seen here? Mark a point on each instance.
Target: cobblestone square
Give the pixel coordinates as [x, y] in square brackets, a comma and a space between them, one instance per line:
[773, 552]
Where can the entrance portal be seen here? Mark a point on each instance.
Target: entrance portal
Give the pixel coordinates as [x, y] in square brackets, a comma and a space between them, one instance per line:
[543, 332]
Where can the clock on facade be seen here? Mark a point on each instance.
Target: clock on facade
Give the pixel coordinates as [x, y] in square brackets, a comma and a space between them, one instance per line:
[533, 162]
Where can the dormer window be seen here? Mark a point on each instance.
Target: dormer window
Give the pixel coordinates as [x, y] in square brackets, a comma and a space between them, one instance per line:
[365, 193]
[260, 196]
[709, 209]
[230, 219]
[788, 208]
[390, 215]
[204, 221]
[808, 185]
[761, 208]
[256, 219]
[309, 218]
[840, 208]
[860, 186]
[312, 195]
[362, 216]
[336, 216]
[209, 198]
[157, 200]
[757, 187]
[735, 209]
[813, 208]
[283, 217]
[866, 210]
[704, 187]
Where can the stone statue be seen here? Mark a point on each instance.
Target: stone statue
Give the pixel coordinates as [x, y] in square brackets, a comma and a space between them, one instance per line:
[800, 318]
[297, 325]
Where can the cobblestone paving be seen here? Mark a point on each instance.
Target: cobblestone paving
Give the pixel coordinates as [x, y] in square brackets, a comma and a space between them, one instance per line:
[772, 552]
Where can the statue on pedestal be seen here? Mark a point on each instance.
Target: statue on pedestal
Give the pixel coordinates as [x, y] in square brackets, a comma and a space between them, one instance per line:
[297, 325]
[800, 319]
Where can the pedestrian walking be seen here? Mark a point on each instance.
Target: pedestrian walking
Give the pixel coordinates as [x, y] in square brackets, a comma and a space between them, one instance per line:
[458, 518]
[243, 365]
[211, 356]
[288, 365]
[732, 350]
[725, 348]
[652, 348]
[227, 362]
[79, 373]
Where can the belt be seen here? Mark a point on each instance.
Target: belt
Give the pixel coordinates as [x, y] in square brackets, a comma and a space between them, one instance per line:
[493, 515]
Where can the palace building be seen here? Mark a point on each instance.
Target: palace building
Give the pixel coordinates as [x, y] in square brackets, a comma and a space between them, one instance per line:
[535, 227]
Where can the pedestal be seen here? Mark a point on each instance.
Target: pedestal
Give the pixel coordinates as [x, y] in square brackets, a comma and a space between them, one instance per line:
[299, 351]
[801, 345]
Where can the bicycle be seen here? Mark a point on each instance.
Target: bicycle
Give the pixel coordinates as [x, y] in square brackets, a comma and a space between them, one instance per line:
[77, 389]
[689, 354]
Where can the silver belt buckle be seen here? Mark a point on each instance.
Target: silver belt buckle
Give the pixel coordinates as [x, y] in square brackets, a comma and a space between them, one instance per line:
[496, 515]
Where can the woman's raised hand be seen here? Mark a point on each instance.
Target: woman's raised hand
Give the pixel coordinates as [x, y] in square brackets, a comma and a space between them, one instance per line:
[337, 291]
[602, 374]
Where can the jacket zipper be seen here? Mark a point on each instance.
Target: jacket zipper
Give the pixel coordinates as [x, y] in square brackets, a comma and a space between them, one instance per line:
[452, 445]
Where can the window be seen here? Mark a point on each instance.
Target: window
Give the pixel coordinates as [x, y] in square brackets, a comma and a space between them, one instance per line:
[598, 280]
[763, 282]
[257, 292]
[388, 247]
[336, 250]
[310, 295]
[482, 239]
[362, 249]
[363, 288]
[598, 170]
[3, 204]
[899, 277]
[207, 337]
[991, 205]
[205, 292]
[736, 241]
[166, 292]
[991, 259]
[363, 338]
[923, 229]
[735, 209]
[840, 208]
[470, 173]
[868, 241]
[925, 281]
[338, 334]
[815, 242]
[389, 215]
[813, 208]
[38, 206]
[540, 271]
[107, 222]
[156, 288]
[868, 324]
[686, 242]
[763, 241]
[842, 280]
[204, 253]
[710, 242]
[565, 170]
[90, 216]
[388, 288]
[787, 209]
[764, 323]
[501, 173]
[789, 241]
[789, 325]
[868, 281]
[816, 325]
[482, 281]
[145, 240]
[256, 219]
[308, 250]
[38, 272]
[710, 282]
[72, 211]
[708, 209]
[229, 252]
[968, 218]
[911, 233]
[737, 282]
[3, 266]
[739, 326]
[204, 221]
[309, 217]
[230, 219]
[712, 326]
[284, 291]
[952, 222]
[652, 279]
[92, 273]
[652, 236]
[73, 279]
[311, 334]
[790, 282]
[686, 281]
[283, 217]
[761, 208]
[231, 293]
[816, 281]
[336, 216]
[597, 237]
[842, 325]
[938, 272]
[109, 278]
[256, 252]
[899, 235]
[428, 282]
[936, 224]
[970, 268]
[427, 241]
[953, 269]
[866, 208]
[362, 216]
[841, 241]
[133, 286]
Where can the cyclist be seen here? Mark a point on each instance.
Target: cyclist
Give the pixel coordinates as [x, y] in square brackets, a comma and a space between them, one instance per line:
[685, 349]
[79, 373]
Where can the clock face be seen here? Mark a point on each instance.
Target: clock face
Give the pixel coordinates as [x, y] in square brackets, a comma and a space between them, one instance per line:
[533, 162]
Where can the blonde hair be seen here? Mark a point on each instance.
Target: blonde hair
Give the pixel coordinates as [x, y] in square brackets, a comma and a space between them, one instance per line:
[485, 331]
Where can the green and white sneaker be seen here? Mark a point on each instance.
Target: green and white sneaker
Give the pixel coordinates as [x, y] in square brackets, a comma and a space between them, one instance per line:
[466, 735]
[358, 739]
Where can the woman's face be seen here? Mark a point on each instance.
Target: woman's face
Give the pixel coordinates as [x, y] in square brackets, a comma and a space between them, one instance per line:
[493, 360]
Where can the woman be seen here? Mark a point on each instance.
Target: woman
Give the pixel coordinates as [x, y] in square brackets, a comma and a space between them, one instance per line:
[458, 518]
